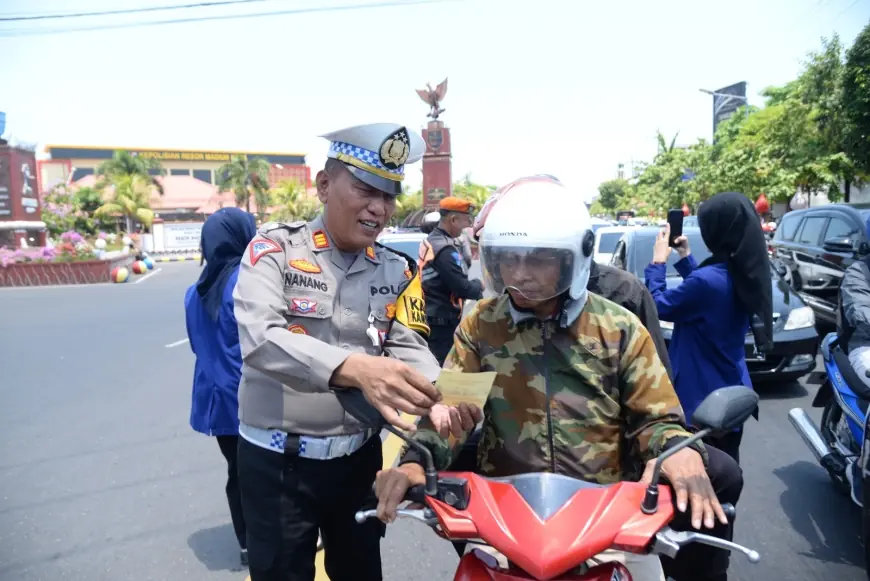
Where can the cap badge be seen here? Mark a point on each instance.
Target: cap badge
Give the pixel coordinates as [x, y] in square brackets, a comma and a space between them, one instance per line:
[395, 150]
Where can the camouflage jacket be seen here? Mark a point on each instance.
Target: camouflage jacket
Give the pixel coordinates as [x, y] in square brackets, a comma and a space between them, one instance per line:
[591, 400]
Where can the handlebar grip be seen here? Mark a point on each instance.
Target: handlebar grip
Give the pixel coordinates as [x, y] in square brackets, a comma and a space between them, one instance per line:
[729, 511]
[416, 493]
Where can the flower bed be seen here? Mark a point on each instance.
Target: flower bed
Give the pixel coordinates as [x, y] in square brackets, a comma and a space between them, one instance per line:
[72, 261]
[45, 273]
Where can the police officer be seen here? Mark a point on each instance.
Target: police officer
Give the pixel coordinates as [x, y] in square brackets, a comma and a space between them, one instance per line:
[445, 275]
[321, 306]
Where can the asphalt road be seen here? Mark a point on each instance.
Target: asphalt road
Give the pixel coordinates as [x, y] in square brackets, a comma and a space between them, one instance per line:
[101, 478]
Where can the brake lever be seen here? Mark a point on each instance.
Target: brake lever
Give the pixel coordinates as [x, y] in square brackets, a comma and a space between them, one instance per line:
[425, 515]
[668, 542]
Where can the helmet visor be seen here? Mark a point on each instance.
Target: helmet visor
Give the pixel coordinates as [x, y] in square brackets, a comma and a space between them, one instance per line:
[537, 274]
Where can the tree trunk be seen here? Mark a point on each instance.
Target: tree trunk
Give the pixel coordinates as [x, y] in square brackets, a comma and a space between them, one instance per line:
[848, 191]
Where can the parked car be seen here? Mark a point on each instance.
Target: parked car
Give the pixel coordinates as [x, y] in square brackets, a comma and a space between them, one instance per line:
[812, 248]
[606, 238]
[795, 338]
[404, 241]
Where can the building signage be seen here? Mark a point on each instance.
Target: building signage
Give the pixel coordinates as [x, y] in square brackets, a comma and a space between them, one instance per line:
[5, 203]
[182, 155]
[182, 235]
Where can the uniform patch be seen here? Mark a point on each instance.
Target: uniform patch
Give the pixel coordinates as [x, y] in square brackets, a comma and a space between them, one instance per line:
[261, 247]
[457, 259]
[303, 305]
[370, 252]
[305, 266]
[320, 240]
[296, 279]
[391, 310]
[297, 330]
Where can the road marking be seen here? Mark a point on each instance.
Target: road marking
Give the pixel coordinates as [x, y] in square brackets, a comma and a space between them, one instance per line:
[147, 276]
[177, 343]
[392, 447]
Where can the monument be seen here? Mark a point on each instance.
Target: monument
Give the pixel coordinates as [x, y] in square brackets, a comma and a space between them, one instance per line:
[437, 177]
[20, 211]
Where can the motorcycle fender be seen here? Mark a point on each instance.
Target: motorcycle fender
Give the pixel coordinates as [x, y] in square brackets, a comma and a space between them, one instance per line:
[824, 395]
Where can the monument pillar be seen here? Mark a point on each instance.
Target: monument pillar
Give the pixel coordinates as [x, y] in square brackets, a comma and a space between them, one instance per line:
[20, 209]
[437, 177]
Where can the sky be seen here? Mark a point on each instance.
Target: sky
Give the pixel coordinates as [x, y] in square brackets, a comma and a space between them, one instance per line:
[567, 88]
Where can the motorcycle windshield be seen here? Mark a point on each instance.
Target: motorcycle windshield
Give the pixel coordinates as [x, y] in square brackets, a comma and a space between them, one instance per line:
[546, 493]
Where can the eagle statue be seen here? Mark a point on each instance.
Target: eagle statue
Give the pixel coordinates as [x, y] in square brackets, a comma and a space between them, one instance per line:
[434, 97]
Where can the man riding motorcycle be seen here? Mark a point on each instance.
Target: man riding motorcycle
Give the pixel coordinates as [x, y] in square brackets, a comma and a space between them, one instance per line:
[579, 389]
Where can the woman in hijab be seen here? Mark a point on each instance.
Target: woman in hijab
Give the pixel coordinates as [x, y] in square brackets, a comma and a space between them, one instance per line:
[716, 304]
[214, 338]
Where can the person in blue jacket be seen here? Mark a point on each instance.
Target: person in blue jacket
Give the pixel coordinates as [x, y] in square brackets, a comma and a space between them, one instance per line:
[716, 304]
[214, 339]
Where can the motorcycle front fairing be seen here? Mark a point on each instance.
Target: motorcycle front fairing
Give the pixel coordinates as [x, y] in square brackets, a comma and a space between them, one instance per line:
[548, 524]
[854, 407]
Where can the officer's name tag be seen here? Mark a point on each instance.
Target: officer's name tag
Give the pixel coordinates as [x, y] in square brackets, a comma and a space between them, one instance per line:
[468, 388]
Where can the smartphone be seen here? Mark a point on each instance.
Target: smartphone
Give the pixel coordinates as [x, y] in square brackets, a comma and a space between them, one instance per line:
[675, 221]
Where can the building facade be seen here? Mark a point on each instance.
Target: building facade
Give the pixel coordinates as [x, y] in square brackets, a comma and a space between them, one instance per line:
[70, 163]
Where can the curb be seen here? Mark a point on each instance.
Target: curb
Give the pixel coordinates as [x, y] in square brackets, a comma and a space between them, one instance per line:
[173, 258]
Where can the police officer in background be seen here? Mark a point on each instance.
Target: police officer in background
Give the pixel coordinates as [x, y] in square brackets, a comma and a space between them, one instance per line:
[445, 275]
[321, 306]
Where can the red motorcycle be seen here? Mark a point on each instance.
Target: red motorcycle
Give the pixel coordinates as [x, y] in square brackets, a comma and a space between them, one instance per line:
[548, 526]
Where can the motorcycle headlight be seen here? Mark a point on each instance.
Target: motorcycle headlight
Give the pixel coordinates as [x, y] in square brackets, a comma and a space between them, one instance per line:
[800, 318]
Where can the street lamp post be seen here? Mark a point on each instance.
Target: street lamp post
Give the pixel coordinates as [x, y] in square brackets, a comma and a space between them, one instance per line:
[727, 99]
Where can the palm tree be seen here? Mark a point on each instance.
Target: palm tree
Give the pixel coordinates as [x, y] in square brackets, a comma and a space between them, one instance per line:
[125, 164]
[131, 199]
[244, 177]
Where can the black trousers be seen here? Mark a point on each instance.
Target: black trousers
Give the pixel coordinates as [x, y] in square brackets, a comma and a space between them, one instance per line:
[694, 562]
[441, 340]
[287, 499]
[229, 446]
[729, 443]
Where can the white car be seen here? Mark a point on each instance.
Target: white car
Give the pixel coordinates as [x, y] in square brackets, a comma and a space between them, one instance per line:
[406, 242]
[605, 242]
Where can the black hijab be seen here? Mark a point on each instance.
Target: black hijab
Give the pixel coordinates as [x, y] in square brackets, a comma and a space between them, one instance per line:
[731, 229]
[225, 236]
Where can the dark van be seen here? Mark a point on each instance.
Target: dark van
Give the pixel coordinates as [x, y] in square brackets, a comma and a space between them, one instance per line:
[812, 248]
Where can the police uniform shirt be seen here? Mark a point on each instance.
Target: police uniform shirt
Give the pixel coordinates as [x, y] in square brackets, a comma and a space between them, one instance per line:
[302, 308]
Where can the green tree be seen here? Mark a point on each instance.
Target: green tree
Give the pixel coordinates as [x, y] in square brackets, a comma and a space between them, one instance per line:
[475, 193]
[407, 204]
[246, 178]
[856, 103]
[131, 198]
[124, 164]
[292, 202]
[610, 193]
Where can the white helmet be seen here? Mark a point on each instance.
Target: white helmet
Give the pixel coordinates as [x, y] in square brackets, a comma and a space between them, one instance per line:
[538, 242]
[432, 218]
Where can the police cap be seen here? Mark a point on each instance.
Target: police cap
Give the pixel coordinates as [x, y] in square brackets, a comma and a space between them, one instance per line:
[377, 153]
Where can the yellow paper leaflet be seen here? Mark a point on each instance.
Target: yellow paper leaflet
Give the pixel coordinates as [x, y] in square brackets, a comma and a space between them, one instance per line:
[411, 308]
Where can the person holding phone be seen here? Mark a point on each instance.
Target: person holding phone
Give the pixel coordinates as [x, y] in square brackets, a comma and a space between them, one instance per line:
[713, 307]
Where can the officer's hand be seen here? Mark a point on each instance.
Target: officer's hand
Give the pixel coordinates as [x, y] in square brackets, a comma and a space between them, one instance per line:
[389, 385]
[392, 485]
[455, 420]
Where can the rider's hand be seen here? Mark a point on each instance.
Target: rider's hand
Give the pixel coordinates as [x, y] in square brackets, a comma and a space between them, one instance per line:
[389, 385]
[681, 244]
[392, 485]
[455, 420]
[661, 250]
[688, 477]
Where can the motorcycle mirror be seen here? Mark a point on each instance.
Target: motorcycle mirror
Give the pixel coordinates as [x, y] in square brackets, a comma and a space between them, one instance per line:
[721, 411]
[726, 408]
[354, 402]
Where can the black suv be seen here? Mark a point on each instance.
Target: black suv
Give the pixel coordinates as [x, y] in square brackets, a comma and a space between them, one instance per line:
[813, 247]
